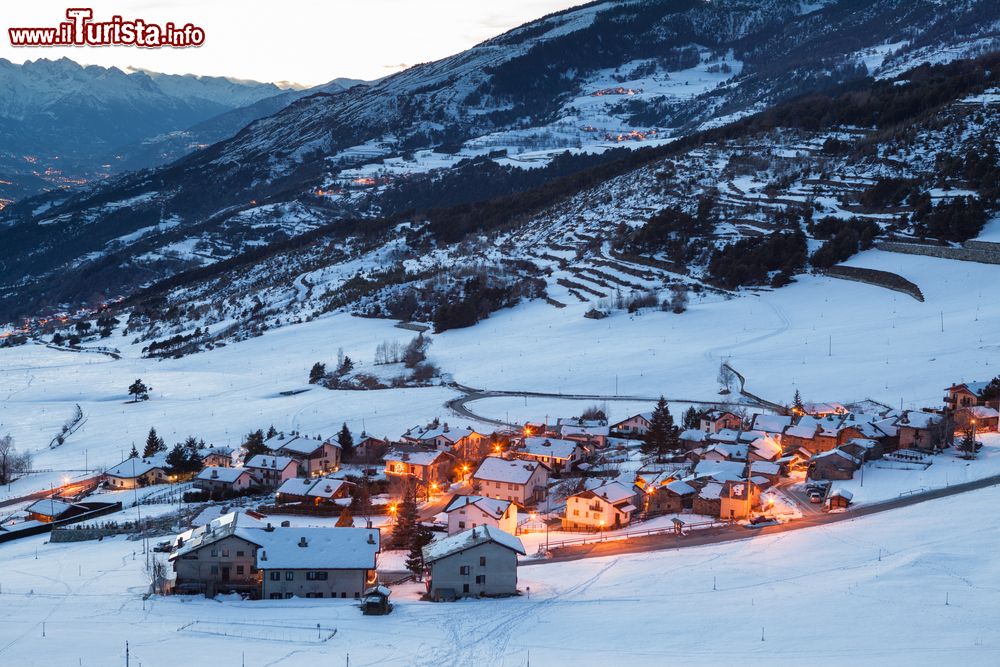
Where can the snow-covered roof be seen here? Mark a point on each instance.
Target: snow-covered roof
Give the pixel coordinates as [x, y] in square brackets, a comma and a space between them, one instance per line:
[316, 488]
[843, 493]
[591, 431]
[765, 468]
[316, 548]
[552, 447]
[441, 430]
[837, 452]
[647, 416]
[981, 412]
[221, 451]
[915, 419]
[807, 431]
[575, 421]
[296, 486]
[296, 444]
[679, 487]
[471, 538]
[730, 451]
[272, 462]
[415, 457]
[725, 435]
[976, 388]
[693, 435]
[864, 443]
[228, 475]
[767, 447]
[720, 471]
[501, 470]
[613, 492]
[49, 507]
[711, 491]
[771, 423]
[234, 523]
[491, 506]
[135, 467]
[823, 408]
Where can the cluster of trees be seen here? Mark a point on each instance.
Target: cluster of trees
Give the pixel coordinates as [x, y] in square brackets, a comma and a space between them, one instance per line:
[186, 456]
[888, 192]
[751, 261]
[956, 219]
[843, 239]
[674, 231]
[12, 462]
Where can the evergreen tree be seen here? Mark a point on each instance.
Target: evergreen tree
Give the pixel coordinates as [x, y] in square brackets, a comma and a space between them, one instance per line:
[154, 444]
[662, 433]
[797, 403]
[253, 445]
[346, 442]
[317, 373]
[346, 366]
[177, 459]
[967, 445]
[271, 432]
[138, 391]
[345, 520]
[407, 519]
[691, 418]
[134, 453]
[415, 560]
[192, 454]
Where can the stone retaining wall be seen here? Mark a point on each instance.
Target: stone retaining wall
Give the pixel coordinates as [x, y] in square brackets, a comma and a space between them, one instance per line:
[972, 251]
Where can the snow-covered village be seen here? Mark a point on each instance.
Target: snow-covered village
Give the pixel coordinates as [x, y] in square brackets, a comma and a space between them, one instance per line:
[634, 331]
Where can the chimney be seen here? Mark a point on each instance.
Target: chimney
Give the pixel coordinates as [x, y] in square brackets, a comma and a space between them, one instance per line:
[303, 542]
[286, 524]
[215, 474]
[371, 536]
[263, 554]
[269, 528]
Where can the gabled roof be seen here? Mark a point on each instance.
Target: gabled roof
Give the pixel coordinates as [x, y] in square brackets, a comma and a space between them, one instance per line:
[501, 470]
[317, 548]
[270, 462]
[680, 488]
[613, 492]
[771, 423]
[492, 506]
[449, 433]
[842, 493]
[471, 538]
[980, 412]
[315, 488]
[215, 474]
[765, 468]
[295, 443]
[136, 467]
[414, 456]
[234, 523]
[807, 431]
[976, 388]
[720, 471]
[920, 420]
[838, 453]
[646, 416]
[49, 507]
[711, 491]
[767, 447]
[693, 435]
[552, 447]
[592, 431]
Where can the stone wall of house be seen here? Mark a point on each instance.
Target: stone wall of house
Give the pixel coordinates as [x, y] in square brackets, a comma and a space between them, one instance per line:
[972, 251]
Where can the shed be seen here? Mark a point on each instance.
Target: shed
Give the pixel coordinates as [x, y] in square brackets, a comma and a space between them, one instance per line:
[376, 601]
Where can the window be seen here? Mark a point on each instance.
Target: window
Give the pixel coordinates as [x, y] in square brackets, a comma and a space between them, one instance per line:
[215, 569]
[215, 553]
[317, 576]
[289, 576]
[276, 596]
[225, 553]
[276, 576]
[464, 569]
[482, 561]
[576, 512]
[314, 595]
[461, 525]
[480, 578]
[343, 594]
[465, 588]
[288, 596]
[356, 595]
[240, 554]
[239, 569]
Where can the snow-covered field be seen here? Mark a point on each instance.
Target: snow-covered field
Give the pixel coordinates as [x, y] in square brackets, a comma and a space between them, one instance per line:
[915, 586]
[831, 339]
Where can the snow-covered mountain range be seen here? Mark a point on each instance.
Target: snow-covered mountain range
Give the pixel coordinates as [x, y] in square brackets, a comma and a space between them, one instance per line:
[412, 165]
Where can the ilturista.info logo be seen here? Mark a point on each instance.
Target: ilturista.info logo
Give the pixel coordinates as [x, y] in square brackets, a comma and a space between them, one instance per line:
[80, 29]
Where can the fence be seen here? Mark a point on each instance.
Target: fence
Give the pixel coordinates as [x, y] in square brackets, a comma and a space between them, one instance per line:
[96, 510]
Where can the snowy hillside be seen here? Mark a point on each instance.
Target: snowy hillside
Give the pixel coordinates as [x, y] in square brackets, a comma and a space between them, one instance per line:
[512, 114]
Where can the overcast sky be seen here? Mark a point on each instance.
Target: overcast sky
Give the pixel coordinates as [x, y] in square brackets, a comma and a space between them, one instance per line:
[305, 41]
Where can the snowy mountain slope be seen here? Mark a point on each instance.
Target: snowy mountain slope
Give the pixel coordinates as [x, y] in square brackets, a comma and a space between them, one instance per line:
[605, 75]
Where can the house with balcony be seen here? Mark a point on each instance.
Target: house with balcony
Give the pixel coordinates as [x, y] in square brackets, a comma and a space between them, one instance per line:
[466, 512]
[429, 469]
[557, 453]
[606, 507]
[272, 471]
[521, 482]
[315, 456]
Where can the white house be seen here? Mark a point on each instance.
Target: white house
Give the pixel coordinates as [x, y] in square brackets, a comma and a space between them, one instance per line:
[315, 491]
[605, 507]
[557, 453]
[316, 562]
[522, 482]
[466, 512]
[314, 455]
[635, 425]
[226, 480]
[136, 471]
[272, 471]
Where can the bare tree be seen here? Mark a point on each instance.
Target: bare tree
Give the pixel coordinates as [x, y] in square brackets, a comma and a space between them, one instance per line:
[726, 377]
[12, 462]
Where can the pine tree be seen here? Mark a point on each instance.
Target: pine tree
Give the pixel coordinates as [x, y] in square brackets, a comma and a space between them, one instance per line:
[192, 454]
[691, 418]
[271, 432]
[134, 453]
[407, 519]
[797, 403]
[346, 442]
[317, 372]
[415, 560]
[967, 445]
[662, 433]
[177, 458]
[138, 391]
[154, 444]
[253, 445]
[345, 520]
